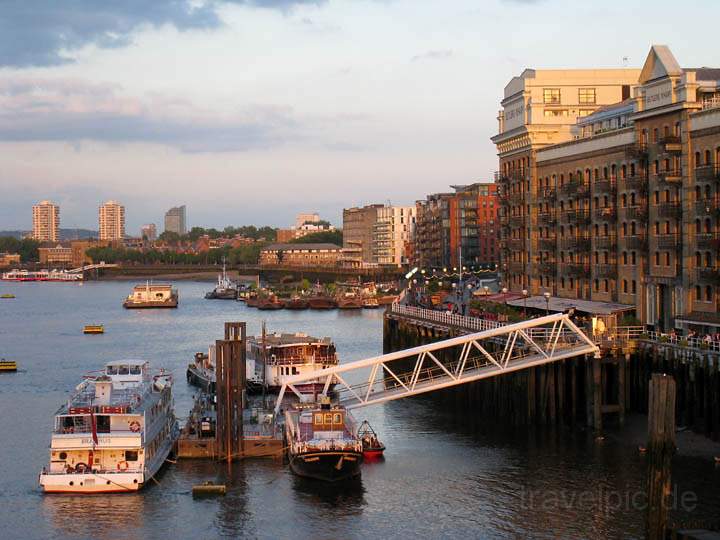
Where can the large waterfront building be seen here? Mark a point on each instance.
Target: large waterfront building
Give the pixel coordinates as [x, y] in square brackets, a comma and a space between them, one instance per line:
[458, 228]
[380, 232]
[46, 222]
[111, 220]
[9, 259]
[619, 202]
[176, 220]
[297, 255]
[58, 255]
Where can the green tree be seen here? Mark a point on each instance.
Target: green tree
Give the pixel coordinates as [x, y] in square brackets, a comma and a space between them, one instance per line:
[322, 237]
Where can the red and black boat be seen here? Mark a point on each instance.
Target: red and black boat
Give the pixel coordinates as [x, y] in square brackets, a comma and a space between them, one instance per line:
[372, 447]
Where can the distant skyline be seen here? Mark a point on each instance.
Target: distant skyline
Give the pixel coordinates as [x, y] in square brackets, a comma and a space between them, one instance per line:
[251, 111]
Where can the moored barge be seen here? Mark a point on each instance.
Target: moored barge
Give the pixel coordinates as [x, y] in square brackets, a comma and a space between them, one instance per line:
[152, 295]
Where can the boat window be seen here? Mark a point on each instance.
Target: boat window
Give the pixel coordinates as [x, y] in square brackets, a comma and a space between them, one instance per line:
[63, 455]
[123, 370]
[103, 423]
[337, 419]
[131, 455]
[328, 418]
[319, 418]
[134, 370]
[111, 370]
[294, 370]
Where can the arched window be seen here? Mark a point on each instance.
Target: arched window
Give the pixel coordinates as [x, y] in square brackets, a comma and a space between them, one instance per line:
[606, 285]
[698, 293]
[698, 163]
[698, 259]
[708, 225]
[633, 228]
[698, 227]
[708, 293]
[632, 169]
[633, 258]
[597, 284]
[707, 157]
[624, 257]
[623, 171]
[657, 258]
[634, 286]
[667, 258]
[624, 284]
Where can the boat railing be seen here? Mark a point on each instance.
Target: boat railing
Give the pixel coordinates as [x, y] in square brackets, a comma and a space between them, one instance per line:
[327, 445]
[304, 359]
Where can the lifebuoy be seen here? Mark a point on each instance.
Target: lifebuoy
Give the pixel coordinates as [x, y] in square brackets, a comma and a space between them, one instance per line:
[123, 466]
[81, 467]
[135, 426]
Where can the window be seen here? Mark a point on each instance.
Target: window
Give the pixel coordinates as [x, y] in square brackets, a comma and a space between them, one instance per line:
[634, 286]
[554, 113]
[131, 455]
[708, 293]
[586, 96]
[551, 96]
[698, 293]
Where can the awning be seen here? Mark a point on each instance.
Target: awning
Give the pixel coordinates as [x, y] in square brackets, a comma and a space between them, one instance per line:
[560, 305]
[700, 318]
[499, 298]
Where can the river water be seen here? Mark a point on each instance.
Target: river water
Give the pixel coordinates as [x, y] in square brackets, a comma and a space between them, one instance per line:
[440, 479]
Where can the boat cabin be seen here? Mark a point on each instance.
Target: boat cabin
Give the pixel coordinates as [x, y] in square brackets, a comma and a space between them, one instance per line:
[152, 293]
[123, 374]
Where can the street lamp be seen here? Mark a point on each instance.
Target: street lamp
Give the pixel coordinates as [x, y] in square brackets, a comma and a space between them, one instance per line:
[547, 302]
[504, 290]
[524, 292]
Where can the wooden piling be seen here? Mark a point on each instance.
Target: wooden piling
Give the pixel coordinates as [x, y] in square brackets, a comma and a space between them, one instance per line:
[230, 372]
[661, 446]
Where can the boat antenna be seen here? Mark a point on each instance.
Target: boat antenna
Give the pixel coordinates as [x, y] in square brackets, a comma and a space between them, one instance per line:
[264, 362]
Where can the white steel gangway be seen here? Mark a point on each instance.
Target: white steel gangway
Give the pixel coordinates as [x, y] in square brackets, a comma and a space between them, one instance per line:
[91, 267]
[450, 362]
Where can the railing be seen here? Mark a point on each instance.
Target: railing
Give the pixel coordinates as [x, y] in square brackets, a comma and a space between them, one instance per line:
[637, 182]
[570, 187]
[636, 212]
[577, 216]
[680, 341]
[605, 270]
[667, 241]
[605, 186]
[547, 268]
[707, 241]
[711, 275]
[302, 359]
[547, 243]
[607, 212]
[443, 317]
[669, 210]
[577, 243]
[636, 151]
[515, 266]
[605, 242]
[575, 269]
[546, 218]
[547, 193]
[707, 172]
[707, 206]
[670, 176]
[635, 241]
[711, 103]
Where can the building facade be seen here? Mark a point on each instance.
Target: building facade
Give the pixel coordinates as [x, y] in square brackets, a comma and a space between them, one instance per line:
[625, 208]
[432, 231]
[9, 259]
[111, 221]
[176, 220]
[381, 232]
[148, 232]
[58, 255]
[46, 222]
[299, 255]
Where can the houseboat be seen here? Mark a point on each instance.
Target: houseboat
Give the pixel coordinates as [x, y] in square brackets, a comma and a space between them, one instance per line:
[225, 289]
[349, 300]
[285, 355]
[201, 372]
[370, 302]
[297, 302]
[152, 295]
[93, 329]
[322, 301]
[114, 433]
[269, 303]
[321, 442]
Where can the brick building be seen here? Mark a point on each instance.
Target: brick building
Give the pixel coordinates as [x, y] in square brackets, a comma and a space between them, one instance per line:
[311, 255]
[624, 206]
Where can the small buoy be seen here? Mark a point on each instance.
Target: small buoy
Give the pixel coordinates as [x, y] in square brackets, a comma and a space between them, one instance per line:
[209, 488]
[642, 449]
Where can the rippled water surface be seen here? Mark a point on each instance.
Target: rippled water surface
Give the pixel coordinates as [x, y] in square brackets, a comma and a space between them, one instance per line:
[440, 478]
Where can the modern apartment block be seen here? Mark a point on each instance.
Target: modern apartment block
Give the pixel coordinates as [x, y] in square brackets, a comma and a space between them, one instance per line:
[458, 228]
[111, 220]
[381, 232]
[176, 220]
[46, 222]
[149, 232]
[621, 204]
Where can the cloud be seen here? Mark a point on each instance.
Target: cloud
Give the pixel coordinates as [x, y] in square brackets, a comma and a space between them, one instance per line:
[73, 111]
[432, 55]
[45, 32]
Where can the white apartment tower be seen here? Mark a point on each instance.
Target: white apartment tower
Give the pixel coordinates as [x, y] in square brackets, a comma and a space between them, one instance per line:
[46, 222]
[111, 218]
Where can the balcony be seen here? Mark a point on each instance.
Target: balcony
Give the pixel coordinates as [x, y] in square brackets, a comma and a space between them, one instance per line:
[517, 197]
[575, 243]
[575, 269]
[636, 151]
[671, 143]
[709, 275]
[637, 241]
[516, 243]
[636, 212]
[605, 270]
[546, 218]
[707, 241]
[570, 187]
[547, 268]
[547, 194]
[669, 210]
[670, 177]
[708, 207]
[547, 244]
[668, 241]
[516, 266]
[579, 217]
[707, 172]
[607, 213]
[605, 186]
[606, 242]
[636, 183]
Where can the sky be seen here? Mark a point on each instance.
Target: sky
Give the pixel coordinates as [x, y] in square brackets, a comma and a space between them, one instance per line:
[251, 111]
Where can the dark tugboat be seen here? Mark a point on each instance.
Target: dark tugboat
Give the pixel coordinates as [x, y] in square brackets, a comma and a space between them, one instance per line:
[201, 372]
[372, 448]
[225, 288]
[321, 442]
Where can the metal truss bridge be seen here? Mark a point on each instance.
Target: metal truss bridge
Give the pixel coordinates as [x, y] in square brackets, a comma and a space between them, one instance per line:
[450, 362]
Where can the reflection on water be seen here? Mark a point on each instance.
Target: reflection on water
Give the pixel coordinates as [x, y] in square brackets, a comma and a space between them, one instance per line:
[444, 475]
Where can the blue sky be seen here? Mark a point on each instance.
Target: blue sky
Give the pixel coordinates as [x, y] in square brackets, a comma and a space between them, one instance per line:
[250, 111]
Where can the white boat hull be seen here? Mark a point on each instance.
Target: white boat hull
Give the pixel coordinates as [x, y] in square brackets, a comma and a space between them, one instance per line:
[91, 482]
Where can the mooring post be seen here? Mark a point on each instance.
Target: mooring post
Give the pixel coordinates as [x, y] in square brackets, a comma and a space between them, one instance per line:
[230, 391]
[661, 446]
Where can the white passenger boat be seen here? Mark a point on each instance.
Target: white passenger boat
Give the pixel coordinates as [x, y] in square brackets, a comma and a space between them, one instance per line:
[114, 433]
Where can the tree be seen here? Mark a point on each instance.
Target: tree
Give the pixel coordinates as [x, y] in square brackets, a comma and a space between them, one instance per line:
[321, 237]
[170, 237]
[27, 248]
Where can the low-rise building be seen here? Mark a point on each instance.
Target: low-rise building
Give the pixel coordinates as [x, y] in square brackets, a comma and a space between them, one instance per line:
[58, 255]
[310, 255]
[9, 259]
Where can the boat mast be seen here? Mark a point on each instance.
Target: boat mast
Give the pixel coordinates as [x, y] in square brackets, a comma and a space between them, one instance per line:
[264, 362]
